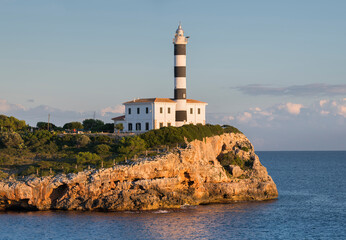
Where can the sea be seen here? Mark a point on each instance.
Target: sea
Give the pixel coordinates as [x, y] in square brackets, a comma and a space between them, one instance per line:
[311, 205]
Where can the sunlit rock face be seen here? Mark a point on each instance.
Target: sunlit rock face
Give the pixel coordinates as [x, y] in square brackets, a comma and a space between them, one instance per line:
[184, 176]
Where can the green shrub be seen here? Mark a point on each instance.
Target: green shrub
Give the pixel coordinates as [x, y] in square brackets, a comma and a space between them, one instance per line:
[245, 149]
[130, 146]
[88, 158]
[73, 125]
[11, 123]
[46, 125]
[3, 175]
[93, 124]
[108, 127]
[174, 135]
[103, 139]
[65, 139]
[82, 140]
[48, 148]
[49, 153]
[231, 159]
[28, 171]
[230, 129]
[11, 139]
[102, 149]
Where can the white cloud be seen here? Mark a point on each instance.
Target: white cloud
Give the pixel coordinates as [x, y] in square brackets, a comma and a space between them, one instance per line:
[293, 108]
[276, 115]
[59, 117]
[292, 126]
[265, 113]
[244, 117]
[322, 102]
[6, 107]
[116, 109]
[334, 107]
[342, 110]
[323, 112]
[256, 109]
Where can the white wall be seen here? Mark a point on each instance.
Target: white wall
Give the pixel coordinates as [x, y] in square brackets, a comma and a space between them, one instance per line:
[141, 118]
[195, 118]
[154, 117]
[164, 117]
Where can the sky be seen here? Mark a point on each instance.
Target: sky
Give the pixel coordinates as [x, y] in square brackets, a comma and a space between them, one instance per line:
[274, 69]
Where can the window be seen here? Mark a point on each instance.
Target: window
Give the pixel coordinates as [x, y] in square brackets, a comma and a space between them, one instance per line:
[147, 126]
[161, 125]
[147, 110]
[191, 110]
[169, 110]
[138, 126]
[168, 124]
[161, 110]
[184, 95]
[138, 110]
[129, 110]
[130, 126]
[199, 111]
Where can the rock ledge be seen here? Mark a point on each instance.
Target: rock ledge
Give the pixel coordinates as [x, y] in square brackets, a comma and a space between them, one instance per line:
[187, 176]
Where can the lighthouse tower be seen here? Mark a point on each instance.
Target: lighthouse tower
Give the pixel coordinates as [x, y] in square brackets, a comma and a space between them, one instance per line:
[180, 42]
[144, 114]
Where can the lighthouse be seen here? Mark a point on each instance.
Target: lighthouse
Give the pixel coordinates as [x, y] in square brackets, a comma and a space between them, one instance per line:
[180, 42]
[144, 114]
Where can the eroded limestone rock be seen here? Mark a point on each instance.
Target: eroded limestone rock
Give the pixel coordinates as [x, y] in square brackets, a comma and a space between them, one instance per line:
[236, 171]
[186, 176]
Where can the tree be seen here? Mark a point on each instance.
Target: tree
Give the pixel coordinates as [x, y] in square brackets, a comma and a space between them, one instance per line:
[108, 127]
[44, 126]
[11, 139]
[73, 125]
[130, 146]
[102, 149]
[93, 124]
[119, 127]
[38, 139]
[11, 123]
[83, 140]
[88, 158]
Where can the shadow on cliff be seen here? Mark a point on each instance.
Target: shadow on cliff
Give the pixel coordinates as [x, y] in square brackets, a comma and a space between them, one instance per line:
[57, 194]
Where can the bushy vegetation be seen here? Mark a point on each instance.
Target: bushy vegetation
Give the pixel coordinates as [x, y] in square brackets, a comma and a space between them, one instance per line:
[11, 139]
[231, 159]
[11, 123]
[73, 125]
[43, 152]
[48, 126]
[102, 149]
[173, 135]
[230, 129]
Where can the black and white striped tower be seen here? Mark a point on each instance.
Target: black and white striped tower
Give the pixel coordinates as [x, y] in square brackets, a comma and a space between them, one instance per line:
[180, 42]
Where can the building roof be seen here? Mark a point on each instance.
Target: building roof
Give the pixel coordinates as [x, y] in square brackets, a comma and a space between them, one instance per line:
[169, 100]
[120, 118]
[193, 101]
[148, 100]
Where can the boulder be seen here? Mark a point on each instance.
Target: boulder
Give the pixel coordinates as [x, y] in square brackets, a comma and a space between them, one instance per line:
[236, 171]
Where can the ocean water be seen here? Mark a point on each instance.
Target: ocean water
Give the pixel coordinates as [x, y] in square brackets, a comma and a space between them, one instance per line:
[311, 205]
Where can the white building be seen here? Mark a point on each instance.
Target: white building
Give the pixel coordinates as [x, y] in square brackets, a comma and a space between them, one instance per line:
[145, 114]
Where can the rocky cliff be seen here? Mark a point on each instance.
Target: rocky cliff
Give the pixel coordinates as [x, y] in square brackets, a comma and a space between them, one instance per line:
[194, 175]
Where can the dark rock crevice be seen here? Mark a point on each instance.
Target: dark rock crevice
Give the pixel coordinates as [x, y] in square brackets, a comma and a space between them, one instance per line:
[57, 194]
